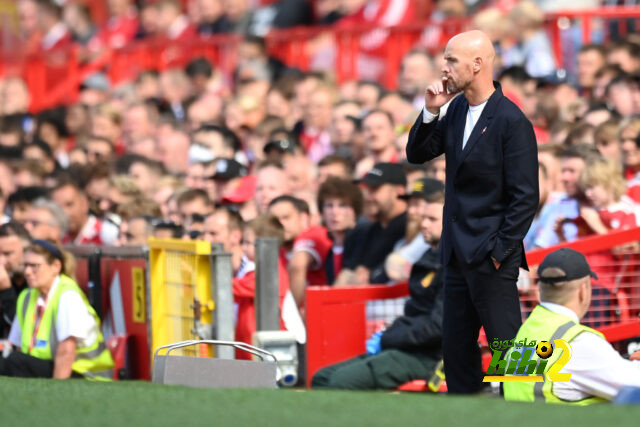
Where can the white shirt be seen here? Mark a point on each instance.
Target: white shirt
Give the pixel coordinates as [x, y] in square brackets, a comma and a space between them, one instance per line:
[473, 114]
[597, 369]
[74, 320]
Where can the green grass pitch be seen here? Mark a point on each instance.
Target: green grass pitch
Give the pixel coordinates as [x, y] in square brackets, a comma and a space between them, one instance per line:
[83, 403]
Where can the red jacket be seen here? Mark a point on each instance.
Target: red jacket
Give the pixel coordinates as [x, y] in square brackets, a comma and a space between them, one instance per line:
[244, 292]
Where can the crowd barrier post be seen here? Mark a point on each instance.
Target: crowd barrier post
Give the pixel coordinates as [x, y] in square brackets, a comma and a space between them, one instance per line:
[267, 284]
[222, 289]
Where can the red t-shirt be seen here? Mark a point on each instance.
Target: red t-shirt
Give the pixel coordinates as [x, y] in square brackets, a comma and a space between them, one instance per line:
[317, 243]
[621, 215]
[633, 186]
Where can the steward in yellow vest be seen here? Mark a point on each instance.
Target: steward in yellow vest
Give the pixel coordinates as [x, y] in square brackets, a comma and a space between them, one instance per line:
[55, 329]
[597, 370]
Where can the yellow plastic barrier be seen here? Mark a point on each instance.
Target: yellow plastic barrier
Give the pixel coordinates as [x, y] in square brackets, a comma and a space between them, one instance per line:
[180, 272]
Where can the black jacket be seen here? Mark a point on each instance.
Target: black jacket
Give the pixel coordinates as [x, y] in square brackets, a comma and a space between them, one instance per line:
[420, 329]
[491, 193]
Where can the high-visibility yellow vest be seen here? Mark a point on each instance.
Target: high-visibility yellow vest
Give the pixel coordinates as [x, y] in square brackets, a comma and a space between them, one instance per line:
[93, 362]
[545, 325]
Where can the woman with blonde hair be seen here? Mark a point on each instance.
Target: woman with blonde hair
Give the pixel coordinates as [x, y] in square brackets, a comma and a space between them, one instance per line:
[55, 333]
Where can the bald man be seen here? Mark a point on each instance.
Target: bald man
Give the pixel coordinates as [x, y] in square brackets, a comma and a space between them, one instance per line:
[491, 199]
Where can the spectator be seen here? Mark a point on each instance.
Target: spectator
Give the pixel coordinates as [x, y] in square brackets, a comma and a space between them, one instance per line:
[193, 202]
[99, 150]
[602, 79]
[368, 94]
[382, 185]
[314, 136]
[410, 348]
[14, 239]
[79, 348]
[534, 46]
[340, 202]
[591, 58]
[28, 173]
[55, 33]
[560, 219]
[401, 110]
[122, 25]
[604, 187]
[47, 221]
[408, 250]
[607, 141]
[619, 96]
[84, 228]
[244, 289]
[20, 201]
[380, 140]
[305, 247]
[216, 140]
[146, 173]
[136, 231]
[626, 55]
[51, 129]
[345, 125]
[224, 227]
[416, 72]
[335, 166]
[171, 23]
[301, 174]
[212, 18]
[122, 189]
[271, 183]
[77, 18]
[39, 151]
[547, 199]
[227, 177]
[140, 121]
[242, 198]
[629, 132]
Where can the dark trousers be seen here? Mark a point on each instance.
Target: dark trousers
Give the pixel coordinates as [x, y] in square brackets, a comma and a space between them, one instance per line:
[385, 370]
[476, 296]
[19, 364]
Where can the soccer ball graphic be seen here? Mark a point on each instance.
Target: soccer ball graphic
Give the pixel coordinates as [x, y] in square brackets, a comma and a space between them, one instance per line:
[544, 349]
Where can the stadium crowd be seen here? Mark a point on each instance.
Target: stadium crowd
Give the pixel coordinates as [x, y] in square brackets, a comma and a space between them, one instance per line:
[191, 153]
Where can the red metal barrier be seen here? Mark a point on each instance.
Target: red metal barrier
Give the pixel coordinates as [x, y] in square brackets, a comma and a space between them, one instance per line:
[337, 322]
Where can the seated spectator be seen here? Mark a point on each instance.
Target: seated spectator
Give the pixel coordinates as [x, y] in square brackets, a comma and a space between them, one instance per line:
[14, 239]
[122, 189]
[598, 371]
[301, 174]
[224, 227]
[28, 173]
[146, 174]
[379, 139]
[340, 203]
[408, 250]
[607, 141]
[373, 242]
[314, 133]
[20, 201]
[619, 96]
[171, 23]
[193, 202]
[271, 182]
[335, 166]
[84, 227]
[241, 198]
[40, 152]
[99, 150]
[558, 223]
[228, 176]
[136, 231]
[56, 35]
[416, 73]
[625, 54]
[591, 58]
[547, 200]
[167, 230]
[305, 247]
[47, 221]
[122, 25]
[410, 348]
[75, 347]
[212, 18]
[436, 168]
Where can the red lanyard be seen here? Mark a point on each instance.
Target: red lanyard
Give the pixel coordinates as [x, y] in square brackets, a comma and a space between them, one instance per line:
[37, 320]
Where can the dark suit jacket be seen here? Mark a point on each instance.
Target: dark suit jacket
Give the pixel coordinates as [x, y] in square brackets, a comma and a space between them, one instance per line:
[491, 191]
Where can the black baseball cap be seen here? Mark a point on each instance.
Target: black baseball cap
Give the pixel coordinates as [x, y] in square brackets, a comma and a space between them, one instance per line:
[229, 169]
[384, 173]
[572, 263]
[424, 188]
[281, 145]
